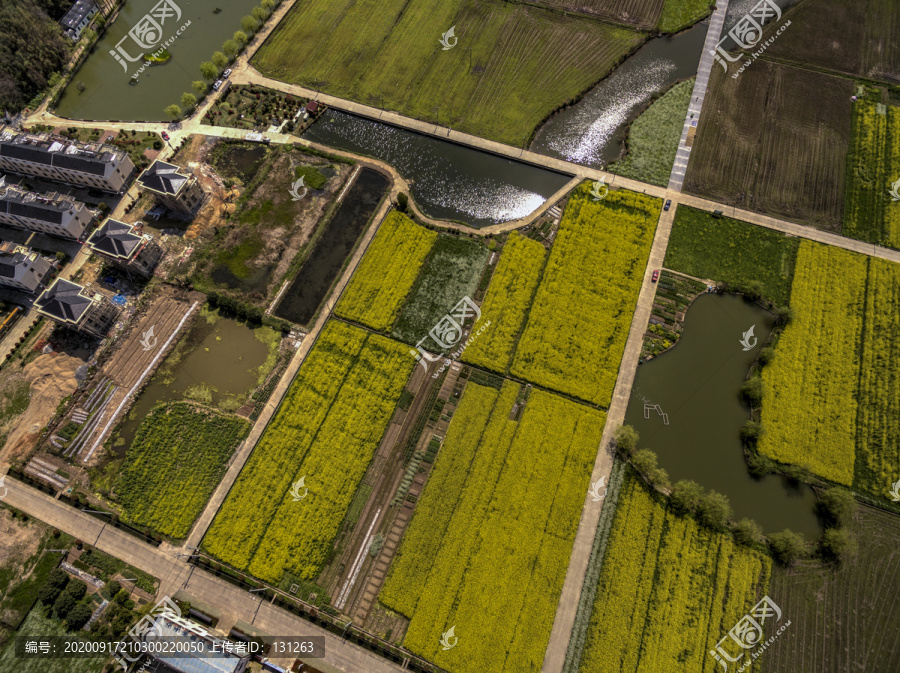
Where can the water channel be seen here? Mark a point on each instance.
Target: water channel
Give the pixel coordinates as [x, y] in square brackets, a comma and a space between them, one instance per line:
[223, 357]
[107, 93]
[592, 132]
[448, 181]
[696, 386]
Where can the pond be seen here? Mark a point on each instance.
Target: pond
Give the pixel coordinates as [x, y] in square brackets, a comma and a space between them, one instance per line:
[302, 298]
[690, 397]
[447, 180]
[106, 92]
[592, 132]
[218, 363]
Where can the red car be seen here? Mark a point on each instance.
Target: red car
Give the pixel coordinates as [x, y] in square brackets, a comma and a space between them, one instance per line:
[165, 136]
[656, 275]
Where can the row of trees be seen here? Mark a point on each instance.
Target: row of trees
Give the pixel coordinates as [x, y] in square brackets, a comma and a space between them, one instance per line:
[220, 59]
[836, 507]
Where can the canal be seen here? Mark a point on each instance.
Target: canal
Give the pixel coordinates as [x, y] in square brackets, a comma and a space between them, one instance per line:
[690, 397]
[448, 181]
[106, 92]
[302, 298]
[592, 132]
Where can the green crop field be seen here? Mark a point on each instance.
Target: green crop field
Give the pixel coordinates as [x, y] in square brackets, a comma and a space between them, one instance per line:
[176, 461]
[639, 13]
[832, 395]
[451, 273]
[579, 320]
[326, 431]
[507, 301]
[512, 66]
[489, 543]
[870, 213]
[732, 251]
[845, 617]
[37, 626]
[654, 136]
[669, 590]
[679, 14]
[387, 272]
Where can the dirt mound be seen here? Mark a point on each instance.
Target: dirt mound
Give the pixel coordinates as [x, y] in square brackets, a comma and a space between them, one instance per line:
[52, 377]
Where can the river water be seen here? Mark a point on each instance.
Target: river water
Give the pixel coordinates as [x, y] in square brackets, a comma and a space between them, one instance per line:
[592, 132]
[696, 386]
[107, 93]
[448, 181]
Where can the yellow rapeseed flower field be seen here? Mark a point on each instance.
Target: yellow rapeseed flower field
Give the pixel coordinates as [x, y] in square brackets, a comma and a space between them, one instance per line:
[387, 272]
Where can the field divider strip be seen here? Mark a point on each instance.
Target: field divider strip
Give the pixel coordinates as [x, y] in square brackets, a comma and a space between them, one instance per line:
[138, 383]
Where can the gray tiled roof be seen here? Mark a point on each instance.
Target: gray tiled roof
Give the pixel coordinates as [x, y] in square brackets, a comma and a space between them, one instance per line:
[115, 239]
[163, 177]
[64, 301]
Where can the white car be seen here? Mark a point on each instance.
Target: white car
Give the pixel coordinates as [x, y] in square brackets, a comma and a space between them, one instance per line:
[227, 72]
[217, 84]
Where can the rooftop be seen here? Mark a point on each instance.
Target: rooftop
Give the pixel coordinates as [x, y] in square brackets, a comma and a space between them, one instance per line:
[47, 207]
[164, 178]
[10, 260]
[116, 239]
[76, 13]
[59, 152]
[64, 301]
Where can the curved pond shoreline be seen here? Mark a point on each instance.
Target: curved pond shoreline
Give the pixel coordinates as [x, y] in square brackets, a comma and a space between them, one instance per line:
[686, 408]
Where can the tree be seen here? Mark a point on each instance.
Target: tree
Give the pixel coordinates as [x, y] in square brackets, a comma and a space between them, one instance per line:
[77, 589]
[199, 87]
[188, 100]
[402, 202]
[220, 59]
[751, 432]
[267, 4]
[660, 479]
[787, 546]
[644, 461]
[752, 391]
[231, 47]
[249, 25]
[63, 604]
[260, 14]
[753, 290]
[783, 315]
[759, 465]
[209, 70]
[240, 37]
[714, 510]
[78, 616]
[626, 438]
[837, 505]
[173, 111]
[54, 585]
[766, 355]
[748, 532]
[113, 587]
[686, 496]
[837, 543]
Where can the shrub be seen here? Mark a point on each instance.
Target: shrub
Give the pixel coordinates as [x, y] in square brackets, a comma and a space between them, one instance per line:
[402, 202]
[837, 544]
[748, 532]
[759, 465]
[63, 604]
[644, 461]
[714, 510]
[837, 505]
[626, 438]
[78, 616]
[751, 432]
[686, 496]
[752, 391]
[787, 546]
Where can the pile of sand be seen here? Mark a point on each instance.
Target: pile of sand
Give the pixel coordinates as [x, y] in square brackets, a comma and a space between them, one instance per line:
[52, 378]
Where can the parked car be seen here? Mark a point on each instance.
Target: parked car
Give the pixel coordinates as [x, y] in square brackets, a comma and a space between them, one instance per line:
[227, 72]
[165, 136]
[668, 203]
[656, 275]
[217, 84]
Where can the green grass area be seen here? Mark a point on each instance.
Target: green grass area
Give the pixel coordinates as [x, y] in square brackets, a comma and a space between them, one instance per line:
[679, 14]
[512, 66]
[451, 273]
[312, 178]
[254, 107]
[35, 626]
[14, 400]
[732, 251]
[177, 458]
[238, 258]
[654, 136]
